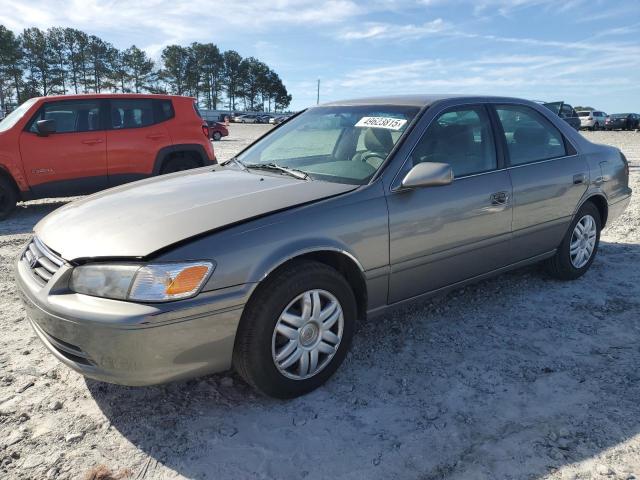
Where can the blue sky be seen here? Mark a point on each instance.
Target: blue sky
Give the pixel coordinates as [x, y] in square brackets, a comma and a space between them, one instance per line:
[582, 51]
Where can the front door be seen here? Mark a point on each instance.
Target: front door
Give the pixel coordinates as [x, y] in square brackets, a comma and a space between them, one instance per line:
[443, 235]
[71, 161]
[548, 178]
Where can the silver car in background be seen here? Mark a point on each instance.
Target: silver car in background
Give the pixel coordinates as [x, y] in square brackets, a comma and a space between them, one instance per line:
[266, 263]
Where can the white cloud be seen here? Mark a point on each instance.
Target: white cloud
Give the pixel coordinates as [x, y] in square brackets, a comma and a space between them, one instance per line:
[389, 31]
[155, 23]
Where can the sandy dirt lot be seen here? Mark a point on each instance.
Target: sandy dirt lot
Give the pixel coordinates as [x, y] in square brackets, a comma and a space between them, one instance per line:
[518, 377]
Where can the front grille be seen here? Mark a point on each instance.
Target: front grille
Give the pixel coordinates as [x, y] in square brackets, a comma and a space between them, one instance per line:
[42, 262]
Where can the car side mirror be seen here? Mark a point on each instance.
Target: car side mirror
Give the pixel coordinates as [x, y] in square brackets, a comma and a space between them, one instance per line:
[46, 127]
[428, 174]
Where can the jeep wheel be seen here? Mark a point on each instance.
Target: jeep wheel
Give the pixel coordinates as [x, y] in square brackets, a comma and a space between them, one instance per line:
[179, 164]
[8, 198]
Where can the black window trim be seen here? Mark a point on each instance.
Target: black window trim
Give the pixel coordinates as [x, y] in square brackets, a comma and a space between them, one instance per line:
[570, 150]
[100, 102]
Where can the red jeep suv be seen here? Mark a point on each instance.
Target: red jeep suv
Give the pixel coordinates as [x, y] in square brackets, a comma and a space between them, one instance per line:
[69, 145]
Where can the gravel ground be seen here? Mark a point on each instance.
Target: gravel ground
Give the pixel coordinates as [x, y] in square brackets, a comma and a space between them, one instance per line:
[516, 377]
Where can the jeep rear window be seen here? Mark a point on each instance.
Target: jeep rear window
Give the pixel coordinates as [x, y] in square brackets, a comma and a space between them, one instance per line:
[195, 107]
[13, 118]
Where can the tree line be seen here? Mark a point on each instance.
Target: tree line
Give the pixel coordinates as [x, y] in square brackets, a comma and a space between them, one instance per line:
[66, 60]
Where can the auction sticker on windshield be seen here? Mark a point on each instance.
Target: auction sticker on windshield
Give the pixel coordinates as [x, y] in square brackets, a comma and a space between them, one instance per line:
[382, 122]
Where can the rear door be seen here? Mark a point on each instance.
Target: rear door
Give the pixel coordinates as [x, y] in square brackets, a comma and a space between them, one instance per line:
[137, 131]
[446, 234]
[71, 161]
[548, 177]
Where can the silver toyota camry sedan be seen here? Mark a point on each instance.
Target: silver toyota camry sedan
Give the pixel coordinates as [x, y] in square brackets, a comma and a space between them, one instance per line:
[266, 262]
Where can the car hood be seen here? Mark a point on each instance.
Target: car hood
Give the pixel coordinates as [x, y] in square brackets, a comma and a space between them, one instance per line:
[138, 219]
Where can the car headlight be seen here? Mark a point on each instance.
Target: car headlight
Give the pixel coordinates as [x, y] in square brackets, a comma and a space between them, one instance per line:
[160, 282]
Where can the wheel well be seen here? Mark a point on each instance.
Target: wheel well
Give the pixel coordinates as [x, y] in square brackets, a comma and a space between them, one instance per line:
[601, 204]
[346, 266]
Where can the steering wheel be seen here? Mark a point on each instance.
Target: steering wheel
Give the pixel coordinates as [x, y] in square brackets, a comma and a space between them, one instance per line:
[369, 155]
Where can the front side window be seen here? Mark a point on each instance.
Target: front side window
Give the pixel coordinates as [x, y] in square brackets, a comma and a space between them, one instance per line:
[131, 113]
[461, 138]
[529, 136]
[345, 144]
[70, 116]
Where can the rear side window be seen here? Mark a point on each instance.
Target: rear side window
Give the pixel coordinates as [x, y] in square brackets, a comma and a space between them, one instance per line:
[462, 138]
[164, 110]
[131, 113]
[529, 136]
[70, 116]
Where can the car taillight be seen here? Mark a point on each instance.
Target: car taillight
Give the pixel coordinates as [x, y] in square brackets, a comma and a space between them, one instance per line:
[205, 130]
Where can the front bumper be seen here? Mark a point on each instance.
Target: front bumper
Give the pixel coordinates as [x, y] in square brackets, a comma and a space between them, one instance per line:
[131, 343]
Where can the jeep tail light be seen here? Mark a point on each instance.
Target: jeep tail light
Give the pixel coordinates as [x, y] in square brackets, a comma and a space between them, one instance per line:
[205, 130]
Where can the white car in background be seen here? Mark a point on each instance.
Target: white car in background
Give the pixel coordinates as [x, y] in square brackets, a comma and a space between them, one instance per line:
[592, 119]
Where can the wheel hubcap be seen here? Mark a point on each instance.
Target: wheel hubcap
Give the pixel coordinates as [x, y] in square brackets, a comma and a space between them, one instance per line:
[307, 334]
[583, 241]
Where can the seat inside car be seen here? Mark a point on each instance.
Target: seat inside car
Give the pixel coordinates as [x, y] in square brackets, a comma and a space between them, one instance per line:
[378, 144]
[455, 145]
[527, 143]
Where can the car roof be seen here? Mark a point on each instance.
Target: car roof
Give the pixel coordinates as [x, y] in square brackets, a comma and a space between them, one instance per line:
[417, 100]
[83, 96]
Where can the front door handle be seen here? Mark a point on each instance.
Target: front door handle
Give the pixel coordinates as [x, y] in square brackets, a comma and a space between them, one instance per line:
[92, 141]
[500, 198]
[579, 178]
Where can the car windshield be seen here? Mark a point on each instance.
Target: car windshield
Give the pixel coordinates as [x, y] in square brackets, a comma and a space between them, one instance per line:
[13, 118]
[620, 115]
[344, 144]
[584, 114]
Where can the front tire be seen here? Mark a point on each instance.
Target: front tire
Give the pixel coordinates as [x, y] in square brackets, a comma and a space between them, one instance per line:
[8, 198]
[296, 330]
[579, 246]
[217, 136]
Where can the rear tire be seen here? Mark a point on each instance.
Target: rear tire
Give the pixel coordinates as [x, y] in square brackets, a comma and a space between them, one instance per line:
[579, 246]
[217, 136]
[8, 198]
[261, 353]
[178, 164]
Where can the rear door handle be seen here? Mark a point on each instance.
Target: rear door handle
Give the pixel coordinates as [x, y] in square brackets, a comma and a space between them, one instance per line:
[579, 178]
[92, 141]
[500, 198]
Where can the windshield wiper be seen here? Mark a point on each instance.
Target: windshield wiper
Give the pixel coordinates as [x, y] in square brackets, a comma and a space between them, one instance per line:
[233, 160]
[279, 168]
